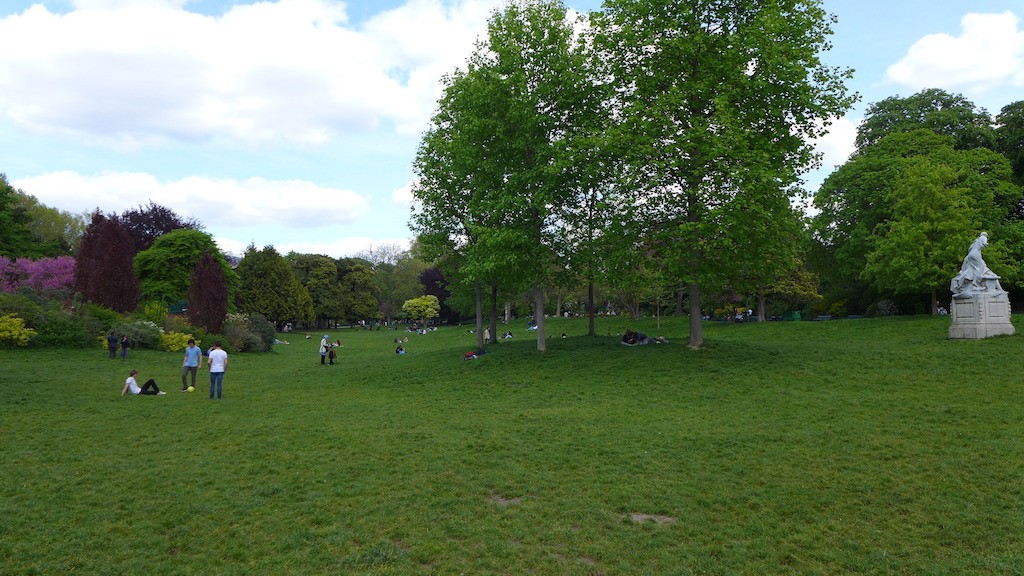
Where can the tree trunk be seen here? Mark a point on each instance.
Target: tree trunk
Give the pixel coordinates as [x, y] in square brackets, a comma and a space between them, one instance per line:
[760, 307]
[680, 296]
[558, 306]
[935, 302]
[479, 292]
[508, 312]
[696, 322]
[538, 310]
[591, 328]
[494, 315]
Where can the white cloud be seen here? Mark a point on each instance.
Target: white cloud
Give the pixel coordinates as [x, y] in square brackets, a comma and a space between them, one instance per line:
[135, 73]
[837, 144]
[215, 202]
[403, 196]
[988, 52]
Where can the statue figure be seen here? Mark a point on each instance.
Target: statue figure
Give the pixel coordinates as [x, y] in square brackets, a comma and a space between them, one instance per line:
[974, 274]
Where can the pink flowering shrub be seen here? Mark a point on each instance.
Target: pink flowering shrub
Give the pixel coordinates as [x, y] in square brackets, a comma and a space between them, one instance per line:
[43, 274]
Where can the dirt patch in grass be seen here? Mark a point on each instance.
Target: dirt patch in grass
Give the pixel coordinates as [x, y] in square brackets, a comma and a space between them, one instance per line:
[640, 518]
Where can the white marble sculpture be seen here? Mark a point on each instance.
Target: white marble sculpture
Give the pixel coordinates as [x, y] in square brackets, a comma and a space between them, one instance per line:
[980, 307]
[975, 275]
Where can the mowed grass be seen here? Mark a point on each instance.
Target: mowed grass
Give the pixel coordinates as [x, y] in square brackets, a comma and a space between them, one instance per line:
[841, 447]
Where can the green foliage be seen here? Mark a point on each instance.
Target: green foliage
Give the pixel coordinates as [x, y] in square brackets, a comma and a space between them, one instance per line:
[54, 325]
[101, 318]
[154, 312]
[268, 286]
[423, 308]
[165, 269]
[931, 109]
[140, 333]
[16, 239]
[249, 333]
[13, 331]
[175, 341]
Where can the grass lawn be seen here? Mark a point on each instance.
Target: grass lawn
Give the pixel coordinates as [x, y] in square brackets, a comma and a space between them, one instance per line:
[841, 447]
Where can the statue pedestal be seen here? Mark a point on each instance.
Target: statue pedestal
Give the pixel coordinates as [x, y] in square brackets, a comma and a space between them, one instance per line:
[980, 315]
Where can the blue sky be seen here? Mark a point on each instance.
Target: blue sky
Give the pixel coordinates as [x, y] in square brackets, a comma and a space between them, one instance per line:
[295, 122]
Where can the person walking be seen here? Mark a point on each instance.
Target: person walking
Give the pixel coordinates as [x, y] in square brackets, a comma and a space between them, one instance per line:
[192, 362]
[324, 346]
[112, 344]
[218, 363]
[124, 347]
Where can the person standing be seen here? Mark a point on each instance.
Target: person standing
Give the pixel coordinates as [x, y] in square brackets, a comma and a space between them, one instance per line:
[124, 347]
[148, 389]
[192, 362]
[218, 363]
[323, 349]
[112, 344]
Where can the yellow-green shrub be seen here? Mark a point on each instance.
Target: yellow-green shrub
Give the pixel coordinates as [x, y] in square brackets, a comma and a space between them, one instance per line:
[13, 331]
[174, 341]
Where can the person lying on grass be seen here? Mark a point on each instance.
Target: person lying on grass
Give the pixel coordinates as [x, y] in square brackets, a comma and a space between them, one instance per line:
[149, 388]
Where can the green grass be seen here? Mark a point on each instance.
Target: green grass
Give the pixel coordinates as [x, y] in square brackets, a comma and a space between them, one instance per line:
[842, 447]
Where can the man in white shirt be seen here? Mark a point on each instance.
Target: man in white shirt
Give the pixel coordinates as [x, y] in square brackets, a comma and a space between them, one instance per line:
[218, 363]
[148, 389]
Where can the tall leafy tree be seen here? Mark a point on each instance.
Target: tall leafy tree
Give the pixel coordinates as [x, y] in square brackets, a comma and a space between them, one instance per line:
[491, 167]
[360, 289]
[16, 238]
[1010, 140]
[931, 109]
[104, 273]
[55, 232]
[897, 214]
[165, 268]
[208, 293]
[715, 103]
[268, 286]
[146, 223]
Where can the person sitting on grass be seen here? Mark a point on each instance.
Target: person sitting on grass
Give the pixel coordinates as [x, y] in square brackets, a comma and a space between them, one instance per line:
[148, 389]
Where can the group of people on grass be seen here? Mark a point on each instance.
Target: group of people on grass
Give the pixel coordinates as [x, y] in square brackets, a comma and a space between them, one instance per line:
[217, 361]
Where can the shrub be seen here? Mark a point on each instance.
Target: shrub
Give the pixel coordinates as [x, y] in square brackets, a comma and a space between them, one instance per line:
[155, 312]
[141, 334]
[13, 331]
[174, 341]
[263, 328]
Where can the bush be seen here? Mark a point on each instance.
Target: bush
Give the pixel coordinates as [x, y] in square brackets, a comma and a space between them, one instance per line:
[13, 331]
[53, 325]
[248, 333]
[103, 319]
[141, 334]
[175, 341]
[263, 328]
[155, 312]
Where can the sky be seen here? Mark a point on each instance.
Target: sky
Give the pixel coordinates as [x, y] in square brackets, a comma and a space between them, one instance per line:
[295, 123]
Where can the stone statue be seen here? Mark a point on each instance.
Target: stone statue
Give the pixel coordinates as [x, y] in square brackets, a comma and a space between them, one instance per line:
[974, 276]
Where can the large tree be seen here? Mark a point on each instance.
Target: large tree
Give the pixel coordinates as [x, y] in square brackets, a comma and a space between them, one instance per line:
[104, 273]
[15, 235]
[165, 268]
[1010, 140]
[715, 103]
[896, 217]
[208, 295]
[146, 223]
[492, 169]
[268, 286]
[932, 109]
